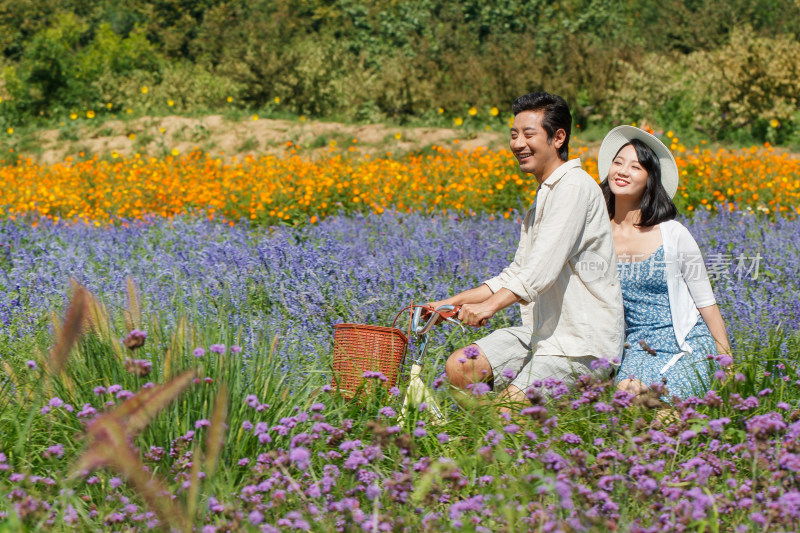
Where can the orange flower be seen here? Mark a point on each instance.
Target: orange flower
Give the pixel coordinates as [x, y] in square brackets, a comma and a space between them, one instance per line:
[273, 189]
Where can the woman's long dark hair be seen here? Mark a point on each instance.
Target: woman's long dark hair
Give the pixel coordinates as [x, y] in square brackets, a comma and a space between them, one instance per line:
[656, 204]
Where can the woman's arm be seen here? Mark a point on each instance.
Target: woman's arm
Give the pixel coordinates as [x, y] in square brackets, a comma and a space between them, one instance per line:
[716, 326]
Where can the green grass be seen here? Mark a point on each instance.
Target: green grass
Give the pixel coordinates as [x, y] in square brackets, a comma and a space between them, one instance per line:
[481, 456]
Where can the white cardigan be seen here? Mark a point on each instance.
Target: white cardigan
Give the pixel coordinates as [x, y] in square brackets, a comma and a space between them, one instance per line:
[687, 283]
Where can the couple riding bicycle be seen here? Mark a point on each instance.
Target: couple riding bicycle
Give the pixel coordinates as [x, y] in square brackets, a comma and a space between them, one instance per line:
[564, 273]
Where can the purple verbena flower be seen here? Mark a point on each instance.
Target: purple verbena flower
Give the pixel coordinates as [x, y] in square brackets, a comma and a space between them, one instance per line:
[255, 517]
[300, 456]
[724, 360]
[134, 339]
[479, 389]
[374, 374]
[387, 411]
[472, 352]
[56, 449]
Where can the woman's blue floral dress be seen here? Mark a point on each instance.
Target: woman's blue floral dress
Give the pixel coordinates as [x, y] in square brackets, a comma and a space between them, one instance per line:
[649, 337]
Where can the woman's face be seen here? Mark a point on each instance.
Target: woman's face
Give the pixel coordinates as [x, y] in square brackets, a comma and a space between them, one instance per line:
[627, 177]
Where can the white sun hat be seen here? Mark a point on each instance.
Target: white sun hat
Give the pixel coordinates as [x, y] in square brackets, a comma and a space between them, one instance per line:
[622, 135]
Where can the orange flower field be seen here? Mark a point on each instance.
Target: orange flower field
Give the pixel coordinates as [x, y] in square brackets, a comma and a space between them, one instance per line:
[292, 190]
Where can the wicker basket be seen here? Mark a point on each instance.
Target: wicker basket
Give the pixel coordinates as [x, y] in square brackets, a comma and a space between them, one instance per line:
[358, 348]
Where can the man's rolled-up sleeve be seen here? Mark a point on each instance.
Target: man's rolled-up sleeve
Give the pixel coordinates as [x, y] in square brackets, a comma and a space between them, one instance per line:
[500, 280]
[562, 224]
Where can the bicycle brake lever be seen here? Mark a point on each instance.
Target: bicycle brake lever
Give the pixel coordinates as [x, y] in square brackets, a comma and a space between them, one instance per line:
[456, 321]
[447, 312]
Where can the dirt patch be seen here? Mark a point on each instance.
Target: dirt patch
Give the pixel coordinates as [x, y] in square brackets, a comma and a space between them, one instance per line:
[227, 137]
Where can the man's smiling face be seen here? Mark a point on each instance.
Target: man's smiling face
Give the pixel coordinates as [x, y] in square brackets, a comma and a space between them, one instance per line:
[529, 144]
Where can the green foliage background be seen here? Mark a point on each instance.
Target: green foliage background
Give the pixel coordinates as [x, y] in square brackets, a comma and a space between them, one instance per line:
[728, 69]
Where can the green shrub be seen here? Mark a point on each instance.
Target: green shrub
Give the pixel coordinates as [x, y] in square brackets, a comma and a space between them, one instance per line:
[724, 68]
[746, 89]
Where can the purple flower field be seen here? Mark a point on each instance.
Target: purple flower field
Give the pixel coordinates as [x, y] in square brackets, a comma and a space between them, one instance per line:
[297, 283]
[247, 314]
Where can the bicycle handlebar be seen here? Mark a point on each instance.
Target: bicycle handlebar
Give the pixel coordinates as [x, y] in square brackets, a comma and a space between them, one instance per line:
[447, 312]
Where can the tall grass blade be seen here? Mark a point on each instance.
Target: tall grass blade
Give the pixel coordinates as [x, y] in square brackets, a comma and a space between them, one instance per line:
[133, 315]
[216, 433]
[70, 331]
[18, 388]
[110, 447]
[109, 438]
[139, 410]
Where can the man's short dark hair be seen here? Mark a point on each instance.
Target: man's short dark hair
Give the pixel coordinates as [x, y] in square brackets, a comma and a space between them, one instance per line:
[556, 115]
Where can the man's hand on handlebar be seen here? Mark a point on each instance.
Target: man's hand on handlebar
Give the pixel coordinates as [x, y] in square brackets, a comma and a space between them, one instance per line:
[475, 315]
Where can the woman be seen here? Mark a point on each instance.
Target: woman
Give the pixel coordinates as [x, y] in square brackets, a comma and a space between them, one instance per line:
[672, 321]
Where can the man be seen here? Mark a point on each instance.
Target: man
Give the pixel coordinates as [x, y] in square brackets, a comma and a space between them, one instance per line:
[563, 275]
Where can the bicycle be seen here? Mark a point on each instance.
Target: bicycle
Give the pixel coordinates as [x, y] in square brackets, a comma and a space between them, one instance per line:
[417, 391]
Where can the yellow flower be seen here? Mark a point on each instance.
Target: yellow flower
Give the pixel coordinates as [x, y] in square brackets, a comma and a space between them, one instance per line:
[10, 131]
[145, 90]
[132, 136]
[494, 111]
[774, 123]
[473, 111]
[114, 154]
[162, 130]
[510, 121]
[398, 135]
[670, 134]
[229, 99]
[109, 105]
[175, 152]
[277, 99]
[90, 114]
[73, 116]
[170, 103]
[441, 110]
[302, 118]
[255, 117]
[129, 111]
[458, 121]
